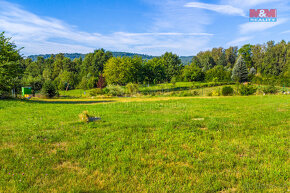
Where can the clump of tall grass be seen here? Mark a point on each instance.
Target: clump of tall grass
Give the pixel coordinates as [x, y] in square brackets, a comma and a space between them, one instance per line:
[84, 117]
[132, 88]
[116, 90]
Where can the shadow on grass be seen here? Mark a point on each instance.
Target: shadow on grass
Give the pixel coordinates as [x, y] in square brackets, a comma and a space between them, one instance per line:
[68, 102]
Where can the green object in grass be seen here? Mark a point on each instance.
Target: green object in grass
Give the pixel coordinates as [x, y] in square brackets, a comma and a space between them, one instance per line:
[26, 91]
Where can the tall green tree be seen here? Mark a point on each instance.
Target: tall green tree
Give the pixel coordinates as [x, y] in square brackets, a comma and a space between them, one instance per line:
[275, 59]
[222, 60]
[258, 56]
[94, 62]
[240, 71]
[57, 65]
[66, 80]
[246, 52]
[154, 71]
[122, 70]
[11, 67]
[206, 60]
[172, 65]
[192, 73]
[216, 53]
[195, 61]
[231, 56]
[218, 73]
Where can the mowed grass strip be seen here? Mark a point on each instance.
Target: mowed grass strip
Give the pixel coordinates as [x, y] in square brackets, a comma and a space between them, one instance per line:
[224, 144]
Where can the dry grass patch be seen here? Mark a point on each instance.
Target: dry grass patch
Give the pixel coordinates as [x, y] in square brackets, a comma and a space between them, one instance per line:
[58, 146]
[230, 190]
[282, 110]
[67, 165]
[7, 145]
[98, 178]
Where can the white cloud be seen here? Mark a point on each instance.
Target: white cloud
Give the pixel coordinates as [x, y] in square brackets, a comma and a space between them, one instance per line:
[224, 9]
[239, 41]
[39, 35]
[285, 32]
[171, 15]
[165, 34]
[259, 26]
[249, 3]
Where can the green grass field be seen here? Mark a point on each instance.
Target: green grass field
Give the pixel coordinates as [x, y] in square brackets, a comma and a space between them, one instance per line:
[154, 144]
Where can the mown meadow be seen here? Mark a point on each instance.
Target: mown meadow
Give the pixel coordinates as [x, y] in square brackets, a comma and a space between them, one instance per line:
[146, 144]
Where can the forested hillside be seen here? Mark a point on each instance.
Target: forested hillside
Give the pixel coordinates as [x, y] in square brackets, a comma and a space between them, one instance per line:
[184, 59]
[263, 64]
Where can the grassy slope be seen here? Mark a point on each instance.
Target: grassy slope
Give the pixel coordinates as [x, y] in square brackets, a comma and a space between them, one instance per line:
[158, 146]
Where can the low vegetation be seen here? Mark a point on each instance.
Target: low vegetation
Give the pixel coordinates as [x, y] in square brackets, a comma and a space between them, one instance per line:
[49, 89]
[271, 89]
[227, 91]
[247, 89]
[116, 90]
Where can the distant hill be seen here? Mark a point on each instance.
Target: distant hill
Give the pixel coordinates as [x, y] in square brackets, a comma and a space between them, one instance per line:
[184, 59]
[68, 55]
[121, 54]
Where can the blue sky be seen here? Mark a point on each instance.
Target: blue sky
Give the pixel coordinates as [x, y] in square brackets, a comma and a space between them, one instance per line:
[150, 27]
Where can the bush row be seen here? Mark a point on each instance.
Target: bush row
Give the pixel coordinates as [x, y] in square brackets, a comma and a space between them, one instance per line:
[131, 89]
[211, 84]
[245, 90]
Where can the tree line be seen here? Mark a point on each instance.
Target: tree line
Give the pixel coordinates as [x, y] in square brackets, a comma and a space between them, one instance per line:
[267, 63]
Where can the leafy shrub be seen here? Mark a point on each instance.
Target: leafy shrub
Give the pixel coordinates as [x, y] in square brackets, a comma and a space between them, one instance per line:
[195, 93]
[105, 90]
[87, 82]
[101, 82]
[214, 93]
[83, 83]
[271, 89]
[173, 81]
[132, 88]
[4, 94]
[116, 90]
[184, 94]
[95, 92]
[48, 89]
[196, 85]
[215, 79]
[205, 85]
[247, 89]
[211, 84]
[146, 92]
[227, 91]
